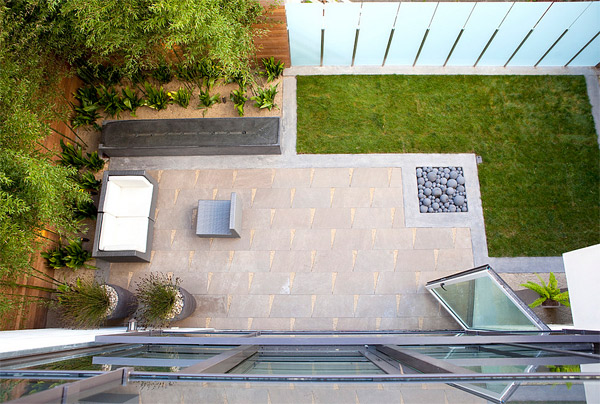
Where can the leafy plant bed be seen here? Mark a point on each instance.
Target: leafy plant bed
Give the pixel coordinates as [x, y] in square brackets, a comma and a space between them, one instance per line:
[540, 176]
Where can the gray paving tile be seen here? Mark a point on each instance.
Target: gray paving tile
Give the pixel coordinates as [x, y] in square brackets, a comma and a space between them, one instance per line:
[430, 238]
[250, 261]
[374, 261]
[462, 239]
[396, 177]
[370, 177]
[393, 239]
[211, 305]
[177, 179]
[351, 198]
[399, 221]
[257, 394]
[292, 261]
[229, 283]
[292, 219]
[170, 261]
[269, 283]
[399, 323]
[356, 324]
[286, 395]
[375, 396]
[271, 239]
[334, 396]
[331, 177]
[372, 218]
[188, 240]
[225, 323]
[272, 198]
[387, 198]
[214, 179]
[162, 239]
[455, 260]
[419, 396]
[256, 218]
[418, 304]
[291, 178]
[249, 306]
[194, 282]
[188, 198]
[270, 323]
[443, 321]
[353, 283]
[333, 261]
[415, 260]
[396, 283]
[244, 195]
[312, 239]
[312, 283]
[334, 306]
[254, 178]
[312, 198]
[180, 219]
[230, 244]
[291, 306]
[313, 324]
[165, 198]
[332, 218]
[210, 261]
[353, 239]
[376, 306]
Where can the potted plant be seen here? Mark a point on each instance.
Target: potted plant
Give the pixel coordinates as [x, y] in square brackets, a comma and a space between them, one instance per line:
[162, 301]
[83, 304]
[550, 294]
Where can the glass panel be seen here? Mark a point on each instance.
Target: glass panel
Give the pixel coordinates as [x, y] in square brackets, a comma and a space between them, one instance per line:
[349, 363]
[478, 300]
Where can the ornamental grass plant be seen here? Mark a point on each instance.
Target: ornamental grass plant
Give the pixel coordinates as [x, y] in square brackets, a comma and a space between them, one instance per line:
[159, 298]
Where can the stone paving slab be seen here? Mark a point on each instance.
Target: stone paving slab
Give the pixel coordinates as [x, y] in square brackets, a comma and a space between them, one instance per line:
[318, 251]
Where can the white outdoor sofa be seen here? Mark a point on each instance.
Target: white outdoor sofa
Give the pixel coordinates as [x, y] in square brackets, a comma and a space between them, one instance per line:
[125, 225]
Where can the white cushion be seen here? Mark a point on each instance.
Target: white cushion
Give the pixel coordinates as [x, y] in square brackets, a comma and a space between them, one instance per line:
[123, 233]
[129, 195]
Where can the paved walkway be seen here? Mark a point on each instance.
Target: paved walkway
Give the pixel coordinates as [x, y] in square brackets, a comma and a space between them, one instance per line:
[329, 242]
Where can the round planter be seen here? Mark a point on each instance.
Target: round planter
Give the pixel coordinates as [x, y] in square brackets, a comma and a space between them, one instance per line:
[126, 303]
[189, 305]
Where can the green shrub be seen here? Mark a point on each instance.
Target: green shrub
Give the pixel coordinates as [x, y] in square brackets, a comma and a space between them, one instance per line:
[72, 155]
[206, 100]
[548, 291]
[131, 101]
[156, 98]
[272, 69]
[85, 210]
[89, 182]
[85, 115]
[71, 256]
[111, 102]
[265, 98]
[239, 99]
[163, 73]
[181, 97]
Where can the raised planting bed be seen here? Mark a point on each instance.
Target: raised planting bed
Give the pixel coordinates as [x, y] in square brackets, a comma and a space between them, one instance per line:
[190, 137]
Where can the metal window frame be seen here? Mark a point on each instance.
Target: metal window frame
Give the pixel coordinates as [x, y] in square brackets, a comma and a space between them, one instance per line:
[476, 273]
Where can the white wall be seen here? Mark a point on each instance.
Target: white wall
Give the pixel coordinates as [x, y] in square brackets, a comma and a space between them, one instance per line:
[582, 268]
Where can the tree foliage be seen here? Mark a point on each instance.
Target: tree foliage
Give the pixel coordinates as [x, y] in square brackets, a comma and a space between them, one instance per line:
[141, 33]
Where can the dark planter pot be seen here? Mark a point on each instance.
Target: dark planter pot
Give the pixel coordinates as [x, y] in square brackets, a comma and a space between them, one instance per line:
[189, 305]
[126, 305]
[550, 304]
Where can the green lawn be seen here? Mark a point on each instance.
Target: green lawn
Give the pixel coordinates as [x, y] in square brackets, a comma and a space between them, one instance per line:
[541, 163]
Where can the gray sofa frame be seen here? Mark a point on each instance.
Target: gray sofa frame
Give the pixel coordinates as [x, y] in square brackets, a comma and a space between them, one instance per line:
[125, 255]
